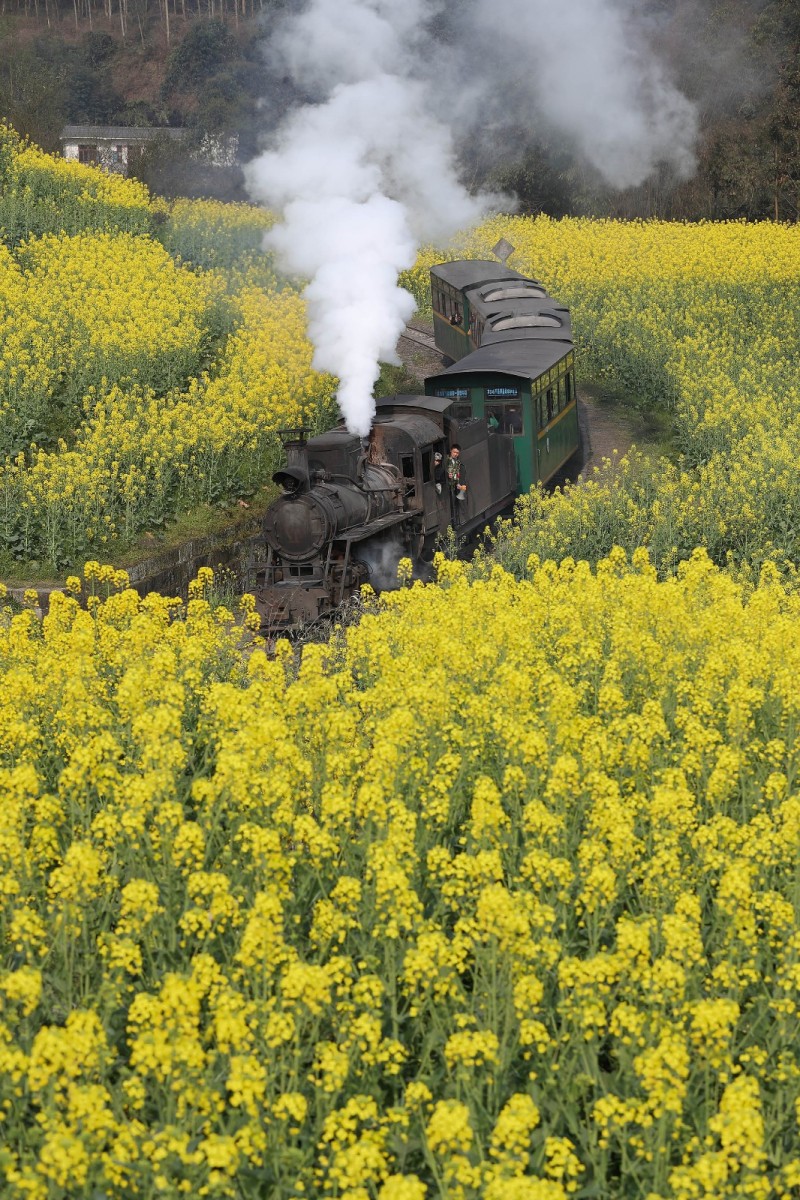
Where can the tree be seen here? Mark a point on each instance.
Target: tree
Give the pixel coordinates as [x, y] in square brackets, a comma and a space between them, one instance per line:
[205, 51]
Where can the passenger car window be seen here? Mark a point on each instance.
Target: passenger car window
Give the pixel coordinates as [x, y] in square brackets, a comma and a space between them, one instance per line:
[509, 418]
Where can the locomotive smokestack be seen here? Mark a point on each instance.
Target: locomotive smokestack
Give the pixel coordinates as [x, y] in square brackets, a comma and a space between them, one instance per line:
[376, 451]
[297, 452]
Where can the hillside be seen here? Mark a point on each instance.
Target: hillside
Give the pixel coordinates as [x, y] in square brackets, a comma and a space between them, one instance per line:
[201, 65]
[207, 78]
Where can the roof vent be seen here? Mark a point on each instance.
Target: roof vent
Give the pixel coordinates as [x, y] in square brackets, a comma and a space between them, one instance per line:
[540, 320]
[514, 291]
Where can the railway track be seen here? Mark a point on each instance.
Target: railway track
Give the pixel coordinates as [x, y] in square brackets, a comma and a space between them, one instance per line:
[422, 339]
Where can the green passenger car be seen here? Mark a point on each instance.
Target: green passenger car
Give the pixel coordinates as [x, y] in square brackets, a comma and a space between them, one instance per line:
[514, 362]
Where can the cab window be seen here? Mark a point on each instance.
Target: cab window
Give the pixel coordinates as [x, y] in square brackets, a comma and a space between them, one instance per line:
[407, 467]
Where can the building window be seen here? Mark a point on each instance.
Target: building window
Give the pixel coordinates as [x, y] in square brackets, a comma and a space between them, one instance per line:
[116, 155]
[87, 154]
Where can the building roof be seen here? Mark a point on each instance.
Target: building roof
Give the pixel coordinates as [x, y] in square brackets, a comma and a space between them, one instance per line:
[524, 358]
[119, 133]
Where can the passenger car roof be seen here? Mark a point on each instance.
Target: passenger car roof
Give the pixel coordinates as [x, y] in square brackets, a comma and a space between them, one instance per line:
[471, 273]
[526, 358]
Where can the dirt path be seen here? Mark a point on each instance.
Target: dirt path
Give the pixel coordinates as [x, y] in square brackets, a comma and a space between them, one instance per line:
[603, 427]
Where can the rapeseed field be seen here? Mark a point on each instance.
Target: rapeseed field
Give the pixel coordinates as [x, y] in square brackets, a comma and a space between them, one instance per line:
[493, 896]
[125, 318]
[149, 355]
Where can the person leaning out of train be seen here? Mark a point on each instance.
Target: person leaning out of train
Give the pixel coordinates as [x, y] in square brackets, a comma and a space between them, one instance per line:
[438, 471]
[457, 473]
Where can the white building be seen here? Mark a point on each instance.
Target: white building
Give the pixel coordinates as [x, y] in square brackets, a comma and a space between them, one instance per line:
[108, 146]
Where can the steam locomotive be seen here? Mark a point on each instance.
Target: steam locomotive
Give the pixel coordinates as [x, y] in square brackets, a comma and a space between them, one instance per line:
[350, 508]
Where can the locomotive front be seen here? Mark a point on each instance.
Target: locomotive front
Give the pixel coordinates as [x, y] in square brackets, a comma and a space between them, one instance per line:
[333, 498]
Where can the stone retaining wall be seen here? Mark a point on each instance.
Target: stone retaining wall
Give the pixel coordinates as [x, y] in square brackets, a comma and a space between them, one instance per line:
[171, 571]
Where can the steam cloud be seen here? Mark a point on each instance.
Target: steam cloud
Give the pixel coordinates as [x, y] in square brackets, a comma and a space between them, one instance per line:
[589, 69]
[367, 169]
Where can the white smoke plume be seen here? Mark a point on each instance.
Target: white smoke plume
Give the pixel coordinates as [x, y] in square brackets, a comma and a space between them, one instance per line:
[589, 70]
[367, 170]
[359, 178]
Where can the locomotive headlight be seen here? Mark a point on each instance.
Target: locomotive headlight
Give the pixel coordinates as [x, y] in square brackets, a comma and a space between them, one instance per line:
[293, 480]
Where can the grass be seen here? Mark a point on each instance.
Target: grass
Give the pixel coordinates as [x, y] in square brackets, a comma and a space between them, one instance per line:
[397, 380]
[206, 520]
